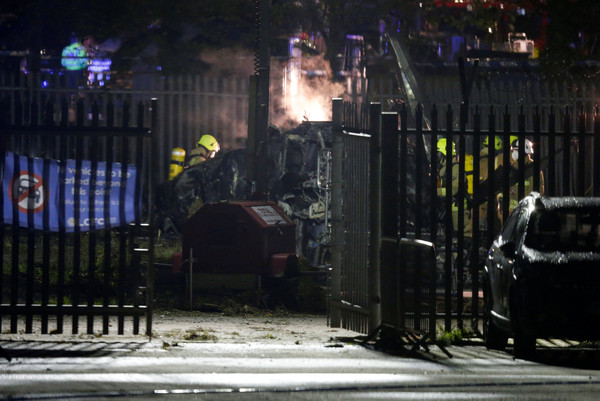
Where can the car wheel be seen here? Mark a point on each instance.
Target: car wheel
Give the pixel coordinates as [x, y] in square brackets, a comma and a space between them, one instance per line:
[493, 337]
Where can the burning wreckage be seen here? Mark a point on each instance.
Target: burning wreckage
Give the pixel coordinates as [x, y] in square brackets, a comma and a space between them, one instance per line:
[209, 207]
[293, 163]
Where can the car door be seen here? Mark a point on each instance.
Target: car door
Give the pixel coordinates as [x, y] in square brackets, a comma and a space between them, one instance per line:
[503, 258]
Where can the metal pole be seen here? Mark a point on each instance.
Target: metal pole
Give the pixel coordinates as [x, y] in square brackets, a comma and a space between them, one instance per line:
[261, 173]
[374, 273]
[337, 223]
[191, 286]
[150, 275]
[390, 285]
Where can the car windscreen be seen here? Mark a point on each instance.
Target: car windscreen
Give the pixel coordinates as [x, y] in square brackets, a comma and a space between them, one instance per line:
[564, 230]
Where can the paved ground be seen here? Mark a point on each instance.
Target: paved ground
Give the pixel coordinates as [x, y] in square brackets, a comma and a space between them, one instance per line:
[177, 326]
[212, 356]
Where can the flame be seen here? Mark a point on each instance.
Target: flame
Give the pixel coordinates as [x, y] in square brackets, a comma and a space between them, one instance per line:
[306, 95]
[313, 107]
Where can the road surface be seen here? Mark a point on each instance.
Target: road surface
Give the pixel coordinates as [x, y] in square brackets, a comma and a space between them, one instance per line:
[296, 365]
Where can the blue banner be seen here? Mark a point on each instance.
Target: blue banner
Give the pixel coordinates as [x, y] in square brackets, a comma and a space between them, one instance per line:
[30, 192]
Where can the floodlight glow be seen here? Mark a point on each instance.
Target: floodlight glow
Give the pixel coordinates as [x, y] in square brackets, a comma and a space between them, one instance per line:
[100, 65]
[74, 57]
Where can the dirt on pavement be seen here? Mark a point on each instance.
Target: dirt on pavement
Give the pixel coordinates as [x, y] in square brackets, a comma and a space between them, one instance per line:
[175, 326]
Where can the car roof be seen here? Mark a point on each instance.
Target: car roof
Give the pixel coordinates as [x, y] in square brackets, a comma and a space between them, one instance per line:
[565, 202]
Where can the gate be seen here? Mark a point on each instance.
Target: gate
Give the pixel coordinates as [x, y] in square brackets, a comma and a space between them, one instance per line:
[350, 225]
[75, 207]
[412, 197]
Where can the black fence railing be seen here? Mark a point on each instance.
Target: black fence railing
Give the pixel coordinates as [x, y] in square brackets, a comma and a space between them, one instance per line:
[74, 211]
[454, 186]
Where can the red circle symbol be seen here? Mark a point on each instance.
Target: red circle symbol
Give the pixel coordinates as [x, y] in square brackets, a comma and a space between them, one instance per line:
[27, 190]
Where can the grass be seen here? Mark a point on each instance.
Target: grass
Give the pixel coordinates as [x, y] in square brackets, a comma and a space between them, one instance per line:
[454, 336]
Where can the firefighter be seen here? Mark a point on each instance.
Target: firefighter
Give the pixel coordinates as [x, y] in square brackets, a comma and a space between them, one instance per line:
[206, 148]
[484, 155]
[467, 224]
[514, 172]
[481, 198]
[469, 174]
[443, 187]
[441, 148]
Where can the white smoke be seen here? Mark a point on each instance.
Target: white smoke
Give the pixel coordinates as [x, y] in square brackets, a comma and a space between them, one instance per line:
[302, 91]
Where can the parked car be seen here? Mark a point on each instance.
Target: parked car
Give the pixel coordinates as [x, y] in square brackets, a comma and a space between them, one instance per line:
[542, 274]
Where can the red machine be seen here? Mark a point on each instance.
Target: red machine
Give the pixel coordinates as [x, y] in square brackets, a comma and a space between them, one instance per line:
[241, 237]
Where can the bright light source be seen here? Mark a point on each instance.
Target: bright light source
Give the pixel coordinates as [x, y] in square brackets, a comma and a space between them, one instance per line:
[74, 57]
[100, 65]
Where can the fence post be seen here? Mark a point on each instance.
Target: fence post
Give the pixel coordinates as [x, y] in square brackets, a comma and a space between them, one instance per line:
[375, 216]
[95, 113]
[140, 114]
[476, 235]
[126, 113]
[537, 129]
[49, 113]
[389, 288]
[461, 210]
[521, 154]
[551, 181]
[419, 161]
[64, 112]
[389, 179]
[566, 154]
[581, 170]
[505, 163]
[337, 226]
[434, 178]
[79, 112]
[151, 183]
[596, 145]
[448, 222]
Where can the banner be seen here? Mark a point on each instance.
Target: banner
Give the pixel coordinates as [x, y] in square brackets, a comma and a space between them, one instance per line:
[30, 193]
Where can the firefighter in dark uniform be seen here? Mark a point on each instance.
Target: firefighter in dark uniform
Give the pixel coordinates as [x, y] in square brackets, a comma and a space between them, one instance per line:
[206, 148]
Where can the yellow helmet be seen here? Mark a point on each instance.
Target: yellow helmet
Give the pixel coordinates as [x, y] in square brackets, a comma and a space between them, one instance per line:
[209, 143]
[497, 142]
[441, 146]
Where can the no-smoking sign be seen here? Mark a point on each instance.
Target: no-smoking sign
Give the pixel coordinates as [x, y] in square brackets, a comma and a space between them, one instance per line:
[28, 192]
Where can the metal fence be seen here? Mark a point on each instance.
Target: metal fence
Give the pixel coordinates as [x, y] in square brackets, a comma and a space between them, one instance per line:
[75, 207]
[409, 288]
[191, 106]
[511, 89]
[448, 207]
